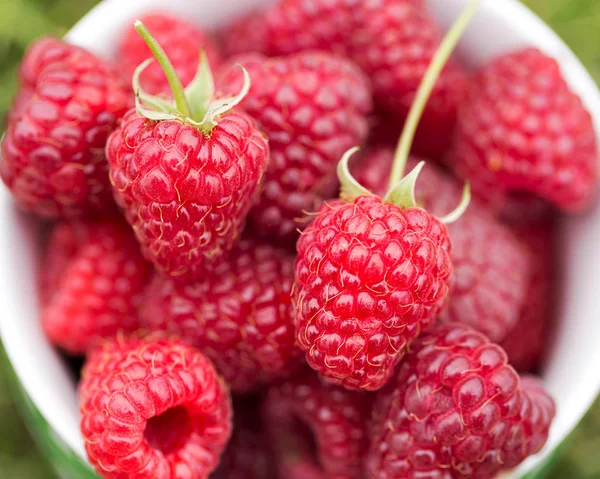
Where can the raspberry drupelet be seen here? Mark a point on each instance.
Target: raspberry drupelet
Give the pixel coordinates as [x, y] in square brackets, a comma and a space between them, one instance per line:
[153, 409]
[372, 273]
[305, 407]
[53, 157]
[392, 41]
[186, 174]
[313, 106]
[456, 409]
[522, 130]
[180, 40]
[239, 314]
[94, 277]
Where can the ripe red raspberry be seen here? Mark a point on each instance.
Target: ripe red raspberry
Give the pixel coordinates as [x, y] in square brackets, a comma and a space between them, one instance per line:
[153, 409]
[313, 107]
[53, 151]
[370, 277]
[94, 278]
[525, 343]
[393, 41]
[305, 410]
[181, 41]
[491, 268]
[455, 409]
[291, 26]
[186, 175]
[373, 273]
[248, 454]
[239, 313]
[521, 130]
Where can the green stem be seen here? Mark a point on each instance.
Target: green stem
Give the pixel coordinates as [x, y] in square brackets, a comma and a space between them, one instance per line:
[175, 83]
[423, 93]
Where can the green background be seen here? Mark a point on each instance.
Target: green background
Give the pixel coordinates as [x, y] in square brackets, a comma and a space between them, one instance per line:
[577, 21]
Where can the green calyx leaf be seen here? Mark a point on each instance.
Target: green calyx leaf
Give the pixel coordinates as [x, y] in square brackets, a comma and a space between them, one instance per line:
[172, 77]
[161, 109]
[219, 107]
[461, 208]
[350, 188]
[194, 105]
[201, 89]
[403, 193]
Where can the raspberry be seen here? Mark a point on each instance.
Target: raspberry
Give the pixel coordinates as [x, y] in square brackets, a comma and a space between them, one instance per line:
[181, 41]
[94, 277]
[305, 410]
[239, 314]
[313, 108]
[525, 343]
[521, 130]
[53, 150]
[456, 409]
[393, 41]
[153, 409]
[291, 26]
[187, 178]
[248, 455]
[491, 268]
[186, 195]
[370, 276]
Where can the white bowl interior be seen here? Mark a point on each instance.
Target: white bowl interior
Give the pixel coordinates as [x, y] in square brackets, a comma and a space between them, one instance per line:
[571, 370]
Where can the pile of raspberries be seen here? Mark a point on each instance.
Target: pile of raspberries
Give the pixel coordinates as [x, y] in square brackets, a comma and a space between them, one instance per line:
[239, 318]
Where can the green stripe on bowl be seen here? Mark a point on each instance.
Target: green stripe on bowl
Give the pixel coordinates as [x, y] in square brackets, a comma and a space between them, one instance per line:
[65, 462]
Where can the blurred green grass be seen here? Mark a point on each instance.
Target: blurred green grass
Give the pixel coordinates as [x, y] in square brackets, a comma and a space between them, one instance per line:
[576, 21]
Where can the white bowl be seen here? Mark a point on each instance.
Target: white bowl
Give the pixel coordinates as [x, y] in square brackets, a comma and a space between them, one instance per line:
[572, 369]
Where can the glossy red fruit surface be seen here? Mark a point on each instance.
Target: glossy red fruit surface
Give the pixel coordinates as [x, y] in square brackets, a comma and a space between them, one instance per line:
[153, 409]
[53, 157]
[392, 41]
[522, 130]
[455, 409]
[370, 277]
[313, 106]
[94, 277]
[492, 269]
[239, 314]
[186, 193]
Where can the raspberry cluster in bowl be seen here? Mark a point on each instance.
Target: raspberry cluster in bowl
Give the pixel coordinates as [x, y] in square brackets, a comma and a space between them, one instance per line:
[238, 319]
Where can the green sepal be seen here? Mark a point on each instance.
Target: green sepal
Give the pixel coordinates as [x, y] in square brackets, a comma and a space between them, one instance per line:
[403, 194]
[201, 90]
[221, 106]
[350, 188]
[465, 200]
[162, 109]
[194, 105]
